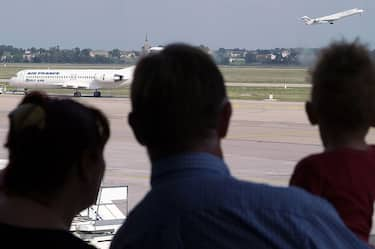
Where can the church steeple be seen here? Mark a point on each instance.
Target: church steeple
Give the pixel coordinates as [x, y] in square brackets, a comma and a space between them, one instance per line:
[146, 47]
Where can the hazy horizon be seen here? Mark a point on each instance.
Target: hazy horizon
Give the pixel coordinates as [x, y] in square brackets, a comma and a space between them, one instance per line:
[229, 24]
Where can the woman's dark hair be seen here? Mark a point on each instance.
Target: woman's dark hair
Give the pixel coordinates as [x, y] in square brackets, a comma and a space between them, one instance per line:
[46, 139]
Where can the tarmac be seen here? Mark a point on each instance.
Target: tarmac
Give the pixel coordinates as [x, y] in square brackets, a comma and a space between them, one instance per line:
[284, 85]
[265, 140]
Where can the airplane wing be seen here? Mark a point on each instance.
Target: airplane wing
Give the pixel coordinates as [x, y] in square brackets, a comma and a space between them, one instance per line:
[330, 18]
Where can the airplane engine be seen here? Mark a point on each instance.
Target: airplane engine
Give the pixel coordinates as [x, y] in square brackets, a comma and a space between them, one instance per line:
[108, 77]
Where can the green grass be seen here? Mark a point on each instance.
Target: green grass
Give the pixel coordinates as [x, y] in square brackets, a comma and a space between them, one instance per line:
[231, 74]
[299, 94]
[265, 75]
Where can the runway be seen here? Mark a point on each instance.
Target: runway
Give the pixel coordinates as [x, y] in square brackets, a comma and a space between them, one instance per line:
[265, 141]
[284, 85]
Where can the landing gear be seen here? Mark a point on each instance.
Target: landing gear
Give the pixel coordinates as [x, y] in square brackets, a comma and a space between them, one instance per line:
[77, 94]
[97, 93]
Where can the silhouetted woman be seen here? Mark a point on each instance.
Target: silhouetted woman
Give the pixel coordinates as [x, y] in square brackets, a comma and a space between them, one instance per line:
[55, 169]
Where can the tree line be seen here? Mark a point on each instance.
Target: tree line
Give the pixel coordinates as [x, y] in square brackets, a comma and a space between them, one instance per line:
[10, 54]
[222, 56]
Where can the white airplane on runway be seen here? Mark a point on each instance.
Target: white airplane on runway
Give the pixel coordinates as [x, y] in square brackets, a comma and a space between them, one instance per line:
[331, 18]
[73, 79]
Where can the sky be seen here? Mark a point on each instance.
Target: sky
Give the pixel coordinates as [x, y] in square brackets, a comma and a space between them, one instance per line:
[123, 24]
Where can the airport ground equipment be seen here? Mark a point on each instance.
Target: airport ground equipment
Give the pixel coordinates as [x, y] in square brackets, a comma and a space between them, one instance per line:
[98, 223]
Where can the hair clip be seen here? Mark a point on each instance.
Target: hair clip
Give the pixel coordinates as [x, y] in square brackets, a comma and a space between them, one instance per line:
[28, 115]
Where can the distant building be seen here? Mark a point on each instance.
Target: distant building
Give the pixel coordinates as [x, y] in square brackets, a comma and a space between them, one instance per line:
[146, 46]
[6, 56]
[148, 49]
[237, 61]
[285, 53]
[103, 53]
[237, 56]
[238, 53]
[28, 56]
[129, 54]
[157, 49]
[264, 58]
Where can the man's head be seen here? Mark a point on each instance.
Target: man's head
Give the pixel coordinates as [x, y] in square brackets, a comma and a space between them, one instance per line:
[343, 89]
[178, 100]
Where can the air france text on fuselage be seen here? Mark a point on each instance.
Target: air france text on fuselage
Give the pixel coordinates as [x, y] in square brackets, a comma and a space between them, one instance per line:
[43, 73]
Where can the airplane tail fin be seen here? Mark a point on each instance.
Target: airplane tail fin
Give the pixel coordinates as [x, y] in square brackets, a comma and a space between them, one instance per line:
[307, 20]
[127, 75]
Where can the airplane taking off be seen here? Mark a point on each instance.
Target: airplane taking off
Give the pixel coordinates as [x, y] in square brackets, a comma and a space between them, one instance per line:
[331, 18]
[73, 79]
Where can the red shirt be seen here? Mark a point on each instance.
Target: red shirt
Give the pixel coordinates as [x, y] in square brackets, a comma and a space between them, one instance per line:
[346, 178]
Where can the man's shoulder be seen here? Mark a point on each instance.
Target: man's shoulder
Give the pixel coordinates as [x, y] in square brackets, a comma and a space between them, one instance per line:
[282, 199]
[246, 207]
[230, 193]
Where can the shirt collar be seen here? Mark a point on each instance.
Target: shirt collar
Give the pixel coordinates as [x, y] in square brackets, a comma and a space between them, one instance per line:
[187, 161]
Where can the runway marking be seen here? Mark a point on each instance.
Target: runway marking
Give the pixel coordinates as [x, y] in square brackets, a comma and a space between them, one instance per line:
[268, 181]
[296, 137]
[268, 85]
[266, 106]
